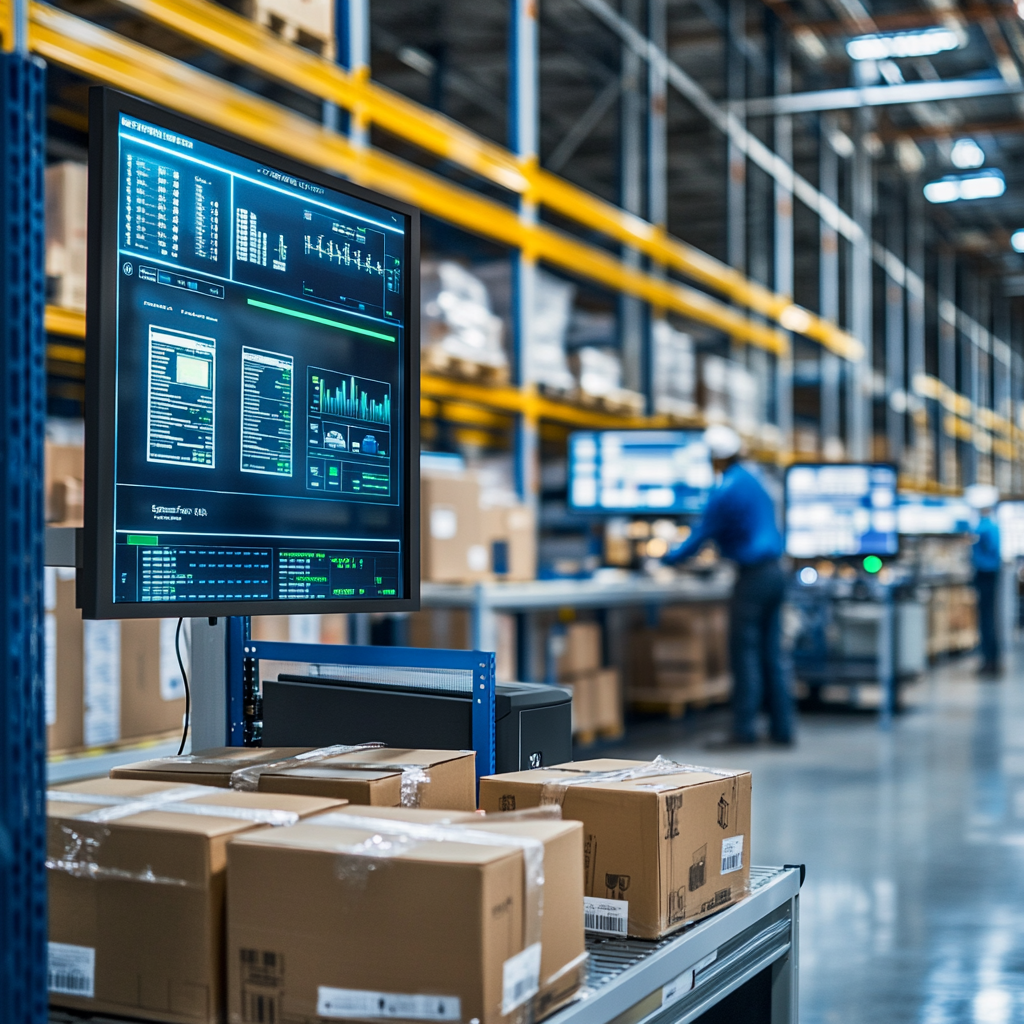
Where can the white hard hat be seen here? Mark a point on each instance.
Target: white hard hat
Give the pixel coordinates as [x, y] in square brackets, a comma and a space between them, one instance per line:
[723, 442]
[982, 496]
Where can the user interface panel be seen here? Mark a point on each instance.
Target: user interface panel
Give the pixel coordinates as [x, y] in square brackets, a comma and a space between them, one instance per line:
[665, 472]
[261, 327]
[841, 510]
[933, 515]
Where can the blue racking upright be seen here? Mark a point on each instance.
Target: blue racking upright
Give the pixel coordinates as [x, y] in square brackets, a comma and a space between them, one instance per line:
[22, 415]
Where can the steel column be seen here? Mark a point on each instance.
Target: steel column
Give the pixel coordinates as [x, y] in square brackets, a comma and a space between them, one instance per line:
[22, 364]
[352, 30]
[657, 172]
[828, 298]
[524, 136]
[948, 474]
[923, 466]
[736, 84]
[895, 382]
[861, 378]
[783, 262]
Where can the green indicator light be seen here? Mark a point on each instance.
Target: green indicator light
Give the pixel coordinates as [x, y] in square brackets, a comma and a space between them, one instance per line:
[319, 320]
[872, 563]
[143, 539]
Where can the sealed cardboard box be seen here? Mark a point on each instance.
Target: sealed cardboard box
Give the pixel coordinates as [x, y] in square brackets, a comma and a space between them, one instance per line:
[137, 874]
[664, 844]
[380, 776]
[431, 923]
[608, 700]
[454, 544]
[107, 681]
[301, 629]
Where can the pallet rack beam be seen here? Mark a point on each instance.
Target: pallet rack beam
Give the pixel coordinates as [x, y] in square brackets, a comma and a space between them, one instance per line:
[249, 44]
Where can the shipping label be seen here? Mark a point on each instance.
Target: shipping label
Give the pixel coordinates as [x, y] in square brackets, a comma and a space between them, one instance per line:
[71, 970]
[732, 854]
[607, 917]
[520, 978]
[346, 1003]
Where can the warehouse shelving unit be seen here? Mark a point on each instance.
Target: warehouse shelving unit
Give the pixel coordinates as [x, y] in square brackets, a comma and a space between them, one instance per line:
[744, 959]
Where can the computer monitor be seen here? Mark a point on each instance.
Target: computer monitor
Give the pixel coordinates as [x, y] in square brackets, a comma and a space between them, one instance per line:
[932, 515]
[252, 379]
[639, 472]
[1010, 517]
[841, 510]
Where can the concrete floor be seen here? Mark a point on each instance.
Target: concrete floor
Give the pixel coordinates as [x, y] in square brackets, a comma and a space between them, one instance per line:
[914, 844]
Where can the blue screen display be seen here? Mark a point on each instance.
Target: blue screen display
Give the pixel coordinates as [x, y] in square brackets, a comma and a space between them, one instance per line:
[260, 341]
[841, 511]
[666, 472]
[933, 514]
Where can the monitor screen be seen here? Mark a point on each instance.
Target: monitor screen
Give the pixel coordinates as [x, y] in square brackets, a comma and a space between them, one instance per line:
[931, 514]
[1010, 517]
[652, 472]
[252, 379]
[835, 511]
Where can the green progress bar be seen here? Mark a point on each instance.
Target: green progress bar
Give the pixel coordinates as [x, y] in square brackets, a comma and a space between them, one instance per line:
[320, 320]
[143, 539]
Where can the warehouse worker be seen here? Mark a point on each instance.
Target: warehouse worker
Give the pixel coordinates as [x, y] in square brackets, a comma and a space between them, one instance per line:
[740, 519]
[986, 559]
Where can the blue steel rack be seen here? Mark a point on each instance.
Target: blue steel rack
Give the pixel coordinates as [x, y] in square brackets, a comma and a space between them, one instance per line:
[22, 368]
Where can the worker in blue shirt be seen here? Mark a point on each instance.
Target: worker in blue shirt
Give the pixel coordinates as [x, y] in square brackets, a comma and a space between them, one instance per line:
[740, 519]
[986, 559]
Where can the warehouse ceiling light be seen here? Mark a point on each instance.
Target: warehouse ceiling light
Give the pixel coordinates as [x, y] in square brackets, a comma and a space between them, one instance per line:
[967, 154]
[1017, 240]
[985, 185]
[902, 44]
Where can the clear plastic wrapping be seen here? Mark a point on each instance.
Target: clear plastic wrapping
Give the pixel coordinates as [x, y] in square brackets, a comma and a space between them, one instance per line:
[553, 791]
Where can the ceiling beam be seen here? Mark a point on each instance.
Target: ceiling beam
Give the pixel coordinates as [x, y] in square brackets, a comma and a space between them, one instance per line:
[878, 96]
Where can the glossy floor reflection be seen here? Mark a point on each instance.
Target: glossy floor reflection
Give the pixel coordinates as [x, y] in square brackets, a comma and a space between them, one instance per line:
[913, 909]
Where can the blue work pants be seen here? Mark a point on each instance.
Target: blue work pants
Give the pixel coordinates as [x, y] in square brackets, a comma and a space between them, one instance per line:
[986, 584]
[755, 650]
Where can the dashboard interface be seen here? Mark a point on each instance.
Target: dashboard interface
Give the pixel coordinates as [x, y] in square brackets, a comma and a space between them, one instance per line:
[834, 511]
[261, 327]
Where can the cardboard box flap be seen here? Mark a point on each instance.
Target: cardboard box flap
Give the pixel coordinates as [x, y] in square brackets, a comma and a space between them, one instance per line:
[400, 758]
[427, 816]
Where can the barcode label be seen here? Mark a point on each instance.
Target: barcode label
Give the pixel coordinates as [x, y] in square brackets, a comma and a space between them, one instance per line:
[609, 917]
[344, 1003]
[732, 854]
[520, 978]
[71, 970]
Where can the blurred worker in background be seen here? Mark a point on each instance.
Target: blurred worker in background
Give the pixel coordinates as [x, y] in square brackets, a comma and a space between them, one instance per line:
[986, 559]
[740, 519]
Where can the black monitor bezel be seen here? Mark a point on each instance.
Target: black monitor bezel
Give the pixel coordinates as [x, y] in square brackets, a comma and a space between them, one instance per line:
[634, 512]
[93, 593]
[801, 559]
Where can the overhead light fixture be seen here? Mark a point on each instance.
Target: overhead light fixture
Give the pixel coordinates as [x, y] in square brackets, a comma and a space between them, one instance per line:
[984, 185]
[1017, 240]
[902, 44]
[967, 154]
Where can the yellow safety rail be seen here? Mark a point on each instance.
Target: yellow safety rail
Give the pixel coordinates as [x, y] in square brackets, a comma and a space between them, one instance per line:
[107, 57]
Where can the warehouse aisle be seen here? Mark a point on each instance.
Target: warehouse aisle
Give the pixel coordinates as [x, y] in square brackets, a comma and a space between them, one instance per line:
[914, 844]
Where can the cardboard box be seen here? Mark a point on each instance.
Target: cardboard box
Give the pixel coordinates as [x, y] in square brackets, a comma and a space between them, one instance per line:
[608, 700]
[582, 650]
[66, 228]
[63, 473]
[301, 629]
[660, 851]
[511, 535]
[107, 681]
[443, 920]
[136, 903]
[434, 779]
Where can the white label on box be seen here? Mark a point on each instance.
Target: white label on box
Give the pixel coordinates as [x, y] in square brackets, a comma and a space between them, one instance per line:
[50, 589]
[101, 642]
[444, 522]
[344, 1003]
[609, 917]
[732, 854]
[71, 970]
[172, 686]
[520, 978]
[477, 558]
[304, 629]
[65, 573]
[50, 666]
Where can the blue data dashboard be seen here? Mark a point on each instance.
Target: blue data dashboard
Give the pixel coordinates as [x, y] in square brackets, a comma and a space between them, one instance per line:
[261, 326]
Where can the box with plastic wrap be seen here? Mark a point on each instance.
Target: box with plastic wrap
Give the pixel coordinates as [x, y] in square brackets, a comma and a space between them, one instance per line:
[665, 844]
[136, 892]
[362, 774]
[371, 918]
